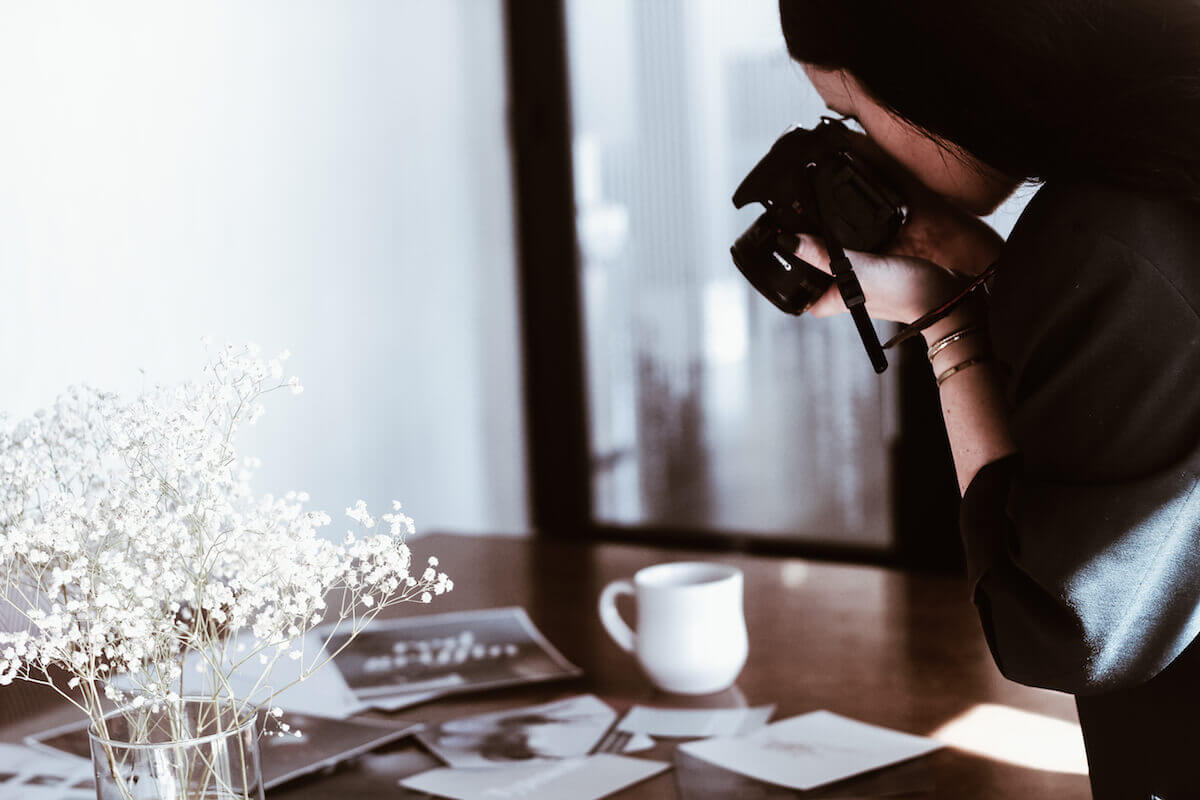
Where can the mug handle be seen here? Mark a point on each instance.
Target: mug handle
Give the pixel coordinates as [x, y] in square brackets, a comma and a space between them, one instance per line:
[621, 633]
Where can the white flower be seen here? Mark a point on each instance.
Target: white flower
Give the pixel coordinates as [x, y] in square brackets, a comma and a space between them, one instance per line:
[359, 514]
[137, 517]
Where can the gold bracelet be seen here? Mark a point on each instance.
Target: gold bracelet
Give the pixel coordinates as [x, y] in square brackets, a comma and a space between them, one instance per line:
[949, 339]
[959, 367]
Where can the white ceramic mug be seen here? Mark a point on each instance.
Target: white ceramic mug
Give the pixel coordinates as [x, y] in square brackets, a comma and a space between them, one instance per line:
[691, 630]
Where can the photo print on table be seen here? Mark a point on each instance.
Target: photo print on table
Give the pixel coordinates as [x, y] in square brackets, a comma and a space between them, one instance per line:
[322, 742]
[563, 729]
[395, 662]
[26, 774]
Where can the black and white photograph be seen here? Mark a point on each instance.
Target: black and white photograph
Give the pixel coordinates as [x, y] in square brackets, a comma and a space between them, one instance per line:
[27, 774]
[412, 366]
[567, 728]
[291, 745]
[441, 654]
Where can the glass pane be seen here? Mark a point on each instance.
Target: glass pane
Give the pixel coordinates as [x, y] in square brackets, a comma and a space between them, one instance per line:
[709, 408]
[328, 177]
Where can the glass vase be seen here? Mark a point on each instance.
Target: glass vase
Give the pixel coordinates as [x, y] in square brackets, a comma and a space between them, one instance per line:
[195, 749]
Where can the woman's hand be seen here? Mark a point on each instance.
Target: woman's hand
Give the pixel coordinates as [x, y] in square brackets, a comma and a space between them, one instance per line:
[938, 249]
[936, 230]
[898, 288]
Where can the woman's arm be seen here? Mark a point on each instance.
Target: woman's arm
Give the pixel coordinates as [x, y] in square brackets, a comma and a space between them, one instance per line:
[1080, 515]
[902, 287]
[972, 399]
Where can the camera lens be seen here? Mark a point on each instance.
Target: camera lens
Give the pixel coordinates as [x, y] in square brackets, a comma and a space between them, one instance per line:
[792, 288]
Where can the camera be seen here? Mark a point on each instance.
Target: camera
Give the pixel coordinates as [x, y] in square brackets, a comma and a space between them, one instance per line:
[811, 181]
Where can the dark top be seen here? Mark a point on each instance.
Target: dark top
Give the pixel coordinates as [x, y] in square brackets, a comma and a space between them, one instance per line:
[1083, 548]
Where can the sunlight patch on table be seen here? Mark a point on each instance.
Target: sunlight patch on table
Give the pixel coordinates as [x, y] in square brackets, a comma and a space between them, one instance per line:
[793, 573]
[1019, 737]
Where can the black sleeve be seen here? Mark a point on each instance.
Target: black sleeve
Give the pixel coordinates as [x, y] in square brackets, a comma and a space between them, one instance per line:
[1083, 548]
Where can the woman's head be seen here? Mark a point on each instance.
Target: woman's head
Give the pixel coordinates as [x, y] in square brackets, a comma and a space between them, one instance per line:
[947, 170]
[1105, 90]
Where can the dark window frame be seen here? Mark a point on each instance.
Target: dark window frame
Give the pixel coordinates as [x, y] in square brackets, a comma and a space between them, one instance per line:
[925, 489]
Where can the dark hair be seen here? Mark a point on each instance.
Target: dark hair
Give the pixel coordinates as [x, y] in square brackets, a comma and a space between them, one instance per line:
[1103, 90]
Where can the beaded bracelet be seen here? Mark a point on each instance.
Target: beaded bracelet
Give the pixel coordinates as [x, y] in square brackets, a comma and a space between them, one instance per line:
[960, 367]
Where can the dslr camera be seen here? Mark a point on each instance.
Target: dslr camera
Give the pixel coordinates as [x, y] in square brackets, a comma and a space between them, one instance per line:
[811, 181]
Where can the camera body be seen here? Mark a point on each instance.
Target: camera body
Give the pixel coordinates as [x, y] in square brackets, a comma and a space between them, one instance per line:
[806, 170]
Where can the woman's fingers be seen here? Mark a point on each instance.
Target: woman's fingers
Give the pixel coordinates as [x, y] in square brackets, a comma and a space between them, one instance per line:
[828, 304]
[811, 249]
[891, 285]
[899, 288]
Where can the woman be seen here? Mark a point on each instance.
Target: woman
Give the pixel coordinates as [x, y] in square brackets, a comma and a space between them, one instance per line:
[1071, 388]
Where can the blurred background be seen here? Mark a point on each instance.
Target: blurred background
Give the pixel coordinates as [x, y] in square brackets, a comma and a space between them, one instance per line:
[495, 237]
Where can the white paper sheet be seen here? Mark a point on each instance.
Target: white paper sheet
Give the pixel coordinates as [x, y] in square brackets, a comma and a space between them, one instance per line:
[685, 723]
[811, 750]
[586, 778]
[637, 743]
[324, 693]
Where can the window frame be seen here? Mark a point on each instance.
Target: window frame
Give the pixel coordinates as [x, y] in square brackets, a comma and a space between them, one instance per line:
[925, 509]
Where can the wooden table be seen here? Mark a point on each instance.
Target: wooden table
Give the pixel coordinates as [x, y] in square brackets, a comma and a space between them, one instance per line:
[891, 648]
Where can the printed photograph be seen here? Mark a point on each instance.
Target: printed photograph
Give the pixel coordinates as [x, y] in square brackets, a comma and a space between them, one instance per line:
[311, 743]
[26, 774]
[563, 729]
[447, 653]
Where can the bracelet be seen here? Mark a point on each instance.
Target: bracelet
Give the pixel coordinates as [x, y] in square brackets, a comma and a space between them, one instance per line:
[959, 368]
[949, 339]
[942, 311]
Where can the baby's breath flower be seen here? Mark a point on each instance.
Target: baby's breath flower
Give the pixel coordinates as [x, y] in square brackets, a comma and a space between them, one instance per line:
[135, 539]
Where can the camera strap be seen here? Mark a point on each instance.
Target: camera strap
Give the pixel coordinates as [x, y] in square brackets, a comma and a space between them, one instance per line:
[847, 281]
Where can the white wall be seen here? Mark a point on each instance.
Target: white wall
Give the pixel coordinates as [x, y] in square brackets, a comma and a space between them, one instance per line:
[329, 177]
